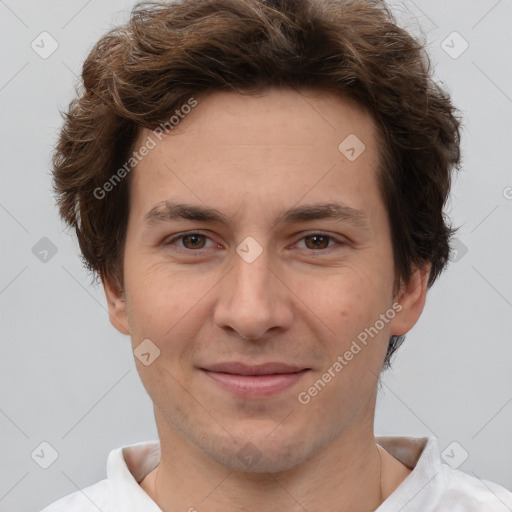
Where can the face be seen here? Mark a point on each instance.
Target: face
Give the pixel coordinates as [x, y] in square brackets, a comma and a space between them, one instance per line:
[253, 269]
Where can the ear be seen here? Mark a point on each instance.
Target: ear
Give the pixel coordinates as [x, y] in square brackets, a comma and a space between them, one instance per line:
[116, 305]
[411, 297]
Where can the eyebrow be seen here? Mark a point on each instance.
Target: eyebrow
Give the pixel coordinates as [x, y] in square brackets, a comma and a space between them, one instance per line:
[167, 211]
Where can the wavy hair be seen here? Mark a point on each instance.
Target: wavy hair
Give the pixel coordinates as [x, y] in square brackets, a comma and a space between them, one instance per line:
[139, 73]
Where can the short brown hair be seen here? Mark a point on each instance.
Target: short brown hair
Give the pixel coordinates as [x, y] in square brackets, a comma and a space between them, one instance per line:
[140, 73]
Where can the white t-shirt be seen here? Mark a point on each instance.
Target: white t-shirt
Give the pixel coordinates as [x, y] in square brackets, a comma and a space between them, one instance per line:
[432, 486]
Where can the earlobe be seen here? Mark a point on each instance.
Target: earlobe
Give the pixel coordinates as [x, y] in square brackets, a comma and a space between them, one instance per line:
[116, 305]
[411, 297]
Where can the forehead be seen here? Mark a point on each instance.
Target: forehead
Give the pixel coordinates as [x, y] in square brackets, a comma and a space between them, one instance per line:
[270, 118]
[280, 141]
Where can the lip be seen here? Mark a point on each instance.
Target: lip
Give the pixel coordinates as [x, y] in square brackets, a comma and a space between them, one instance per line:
[254, 381]
[238, 368]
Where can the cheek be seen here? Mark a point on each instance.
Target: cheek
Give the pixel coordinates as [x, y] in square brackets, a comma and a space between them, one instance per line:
[353, 309]
[168, 308]
[354, 296]
[156, 294]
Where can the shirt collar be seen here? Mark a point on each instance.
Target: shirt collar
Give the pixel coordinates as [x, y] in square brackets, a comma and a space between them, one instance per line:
[418, 491]
[128, 465]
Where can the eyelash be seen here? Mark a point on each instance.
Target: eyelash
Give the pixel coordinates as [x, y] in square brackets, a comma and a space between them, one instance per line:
[171, 241]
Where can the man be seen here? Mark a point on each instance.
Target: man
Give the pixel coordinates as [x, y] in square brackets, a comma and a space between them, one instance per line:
[260, 186]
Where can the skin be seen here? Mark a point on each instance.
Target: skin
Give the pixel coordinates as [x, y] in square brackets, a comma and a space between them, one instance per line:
[251, 158]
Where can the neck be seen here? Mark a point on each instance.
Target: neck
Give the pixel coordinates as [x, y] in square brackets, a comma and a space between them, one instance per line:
[350, 474]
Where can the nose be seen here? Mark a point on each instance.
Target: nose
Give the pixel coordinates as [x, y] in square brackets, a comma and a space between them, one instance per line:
[254, 300]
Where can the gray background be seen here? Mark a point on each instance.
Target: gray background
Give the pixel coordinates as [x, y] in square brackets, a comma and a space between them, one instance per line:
[68, 378]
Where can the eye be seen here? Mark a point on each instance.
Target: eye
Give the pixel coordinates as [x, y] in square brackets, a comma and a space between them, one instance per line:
[318, 242]
[195, 242]
[191, 242]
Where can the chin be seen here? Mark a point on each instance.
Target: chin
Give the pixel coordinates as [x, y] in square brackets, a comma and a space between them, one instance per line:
[257, 453]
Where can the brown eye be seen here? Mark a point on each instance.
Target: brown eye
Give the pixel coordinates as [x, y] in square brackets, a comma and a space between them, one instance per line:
[317, 241]
[194, 241]
[320, 243]
[188, 243]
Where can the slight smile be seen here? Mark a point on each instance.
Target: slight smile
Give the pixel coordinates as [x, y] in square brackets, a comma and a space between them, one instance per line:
[258, 381]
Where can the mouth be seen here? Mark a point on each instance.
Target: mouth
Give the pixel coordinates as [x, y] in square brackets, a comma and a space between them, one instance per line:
[254, 381]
